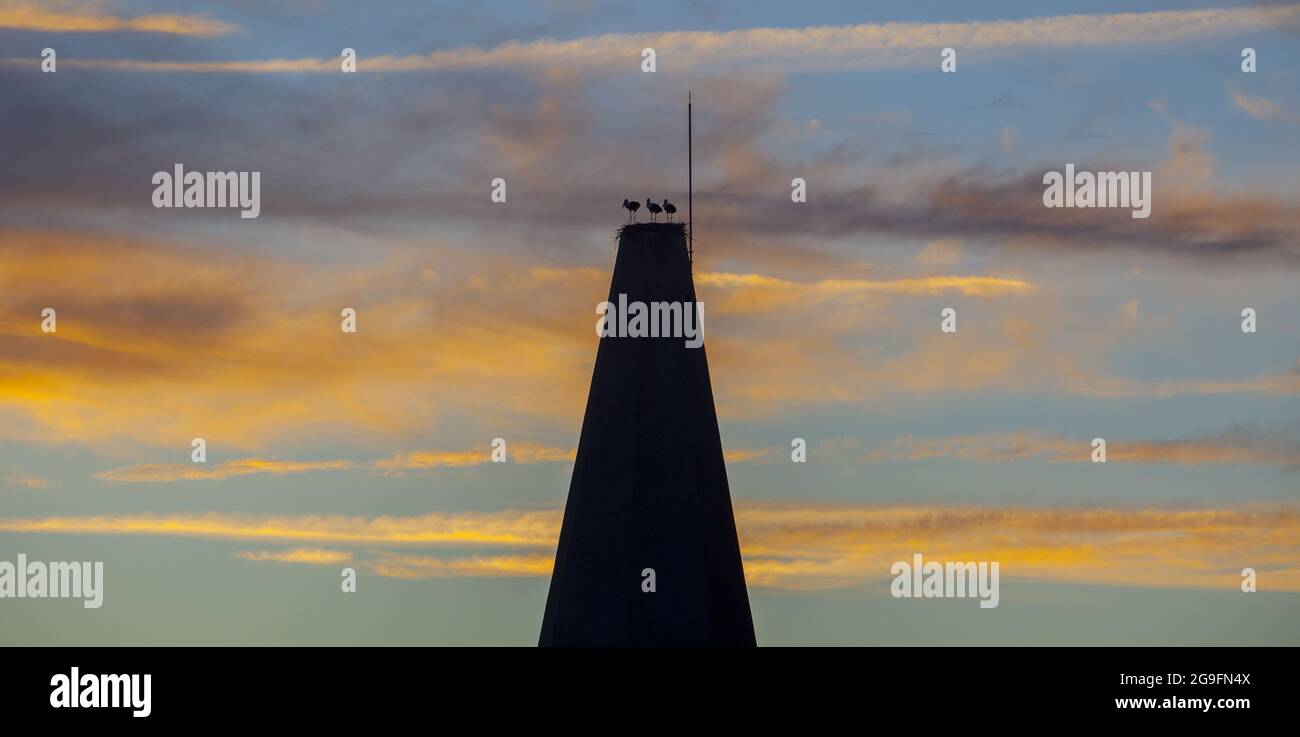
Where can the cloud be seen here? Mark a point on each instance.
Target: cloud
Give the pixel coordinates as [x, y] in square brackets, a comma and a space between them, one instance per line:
[313, 556]
[523, 453]
[811, 548]
[815, 48]
[406, 566]
[805, 357]
[563, 146]
[247, 351]
[1002, 209]
[749, 455]
[1242, 445]
[509, 528]
[942, 252]
[798, 547]
[1008, 210]
[88, 17]
[159, 472]
[515, 453]
[758, 293]
[1109, 387]
[397, 465]
[26, 480]
[983, 448]
[1260, 108]
[477, 566]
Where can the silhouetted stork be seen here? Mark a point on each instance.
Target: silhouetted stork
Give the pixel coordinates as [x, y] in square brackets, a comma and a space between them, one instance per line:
[653, 208]
[670, 208]
[631, 208]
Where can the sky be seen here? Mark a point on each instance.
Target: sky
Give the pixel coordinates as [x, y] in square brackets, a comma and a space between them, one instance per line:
[371, 450]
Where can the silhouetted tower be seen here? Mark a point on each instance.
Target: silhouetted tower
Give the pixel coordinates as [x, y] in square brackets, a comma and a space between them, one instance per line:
[649, 487]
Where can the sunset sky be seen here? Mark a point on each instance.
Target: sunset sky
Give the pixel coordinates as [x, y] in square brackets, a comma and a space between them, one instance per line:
[475, 320]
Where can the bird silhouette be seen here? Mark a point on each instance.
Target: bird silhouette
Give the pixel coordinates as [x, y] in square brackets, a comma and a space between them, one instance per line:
[670, 208]
[653, 208]
[631, 207]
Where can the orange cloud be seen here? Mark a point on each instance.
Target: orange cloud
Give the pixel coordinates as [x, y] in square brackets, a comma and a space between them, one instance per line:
[811, 547]
[745, 293]
[247, 351]
[313, 556]
[88, 18]
[421, 459]
[809, 363]
[864, 46]
[515, 453]
[157, 472]
[746, 455]
[1244, 445]
[805, 547]
[491, 566]
[510, 528]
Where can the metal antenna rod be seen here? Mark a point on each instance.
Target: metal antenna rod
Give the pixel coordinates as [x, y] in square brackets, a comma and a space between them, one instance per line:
[690, 185]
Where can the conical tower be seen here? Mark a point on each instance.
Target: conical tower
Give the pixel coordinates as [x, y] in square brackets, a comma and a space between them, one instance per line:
[649, 487]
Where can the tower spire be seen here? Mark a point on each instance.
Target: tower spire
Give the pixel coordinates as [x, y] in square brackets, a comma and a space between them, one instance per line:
[648, 552]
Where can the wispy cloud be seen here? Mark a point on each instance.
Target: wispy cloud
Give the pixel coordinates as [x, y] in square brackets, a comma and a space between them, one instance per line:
[1108, 387]
[415, 460]
[748, 455]
[515, 453]
[820, 48]
[405, 565]
[510, 528]
[26, 480]
[810, 548]
[90, 17]
[758, 292]
[1261, 108]
[984, 448]
[805, 547]
[313, 556]
[1244, 445]
[157, 472]
[477, 566]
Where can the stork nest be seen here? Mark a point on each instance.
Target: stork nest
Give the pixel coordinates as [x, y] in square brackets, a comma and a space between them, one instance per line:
[677, 227]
